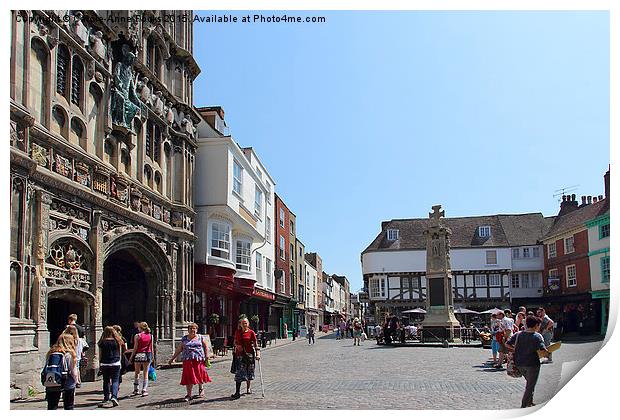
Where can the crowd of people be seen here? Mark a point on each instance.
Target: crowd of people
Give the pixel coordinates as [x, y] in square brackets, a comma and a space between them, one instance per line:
[352, 328]
[61, 373]
[518, 341]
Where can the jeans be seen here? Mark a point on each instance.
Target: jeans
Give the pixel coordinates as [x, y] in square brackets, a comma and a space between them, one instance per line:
[111, 376]
[530, 373]
[53, 398]
[311, 339]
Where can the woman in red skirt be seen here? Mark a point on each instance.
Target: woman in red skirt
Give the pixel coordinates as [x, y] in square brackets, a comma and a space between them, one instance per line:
[194, 348]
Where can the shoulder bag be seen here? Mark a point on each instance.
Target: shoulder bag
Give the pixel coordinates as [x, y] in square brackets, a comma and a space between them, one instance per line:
[511, 368]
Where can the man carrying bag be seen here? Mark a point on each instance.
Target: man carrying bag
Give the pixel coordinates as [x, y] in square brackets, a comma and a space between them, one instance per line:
[525, 345]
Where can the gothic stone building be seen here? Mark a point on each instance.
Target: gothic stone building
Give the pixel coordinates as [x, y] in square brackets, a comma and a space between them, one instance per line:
[102, 146]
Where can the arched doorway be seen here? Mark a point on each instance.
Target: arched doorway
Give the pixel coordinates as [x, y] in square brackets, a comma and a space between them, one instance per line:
[62, 303]
[127, 294]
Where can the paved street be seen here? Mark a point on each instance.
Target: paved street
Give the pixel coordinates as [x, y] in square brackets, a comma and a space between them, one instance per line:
[336, 375]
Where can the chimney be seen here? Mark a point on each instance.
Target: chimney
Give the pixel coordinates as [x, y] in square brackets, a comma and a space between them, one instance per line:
[594, 199]
[606, 177]
[589, 199]
[568, 204]
[583, 200]
[600, 198]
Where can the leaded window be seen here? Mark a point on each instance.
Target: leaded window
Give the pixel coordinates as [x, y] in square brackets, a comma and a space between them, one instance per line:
[62, 63]
[77, 74]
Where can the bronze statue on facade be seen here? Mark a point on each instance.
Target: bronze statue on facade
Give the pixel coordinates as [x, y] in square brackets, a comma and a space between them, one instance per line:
[125, 103]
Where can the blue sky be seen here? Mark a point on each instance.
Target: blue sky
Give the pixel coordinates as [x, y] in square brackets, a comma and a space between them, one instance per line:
[380, 115]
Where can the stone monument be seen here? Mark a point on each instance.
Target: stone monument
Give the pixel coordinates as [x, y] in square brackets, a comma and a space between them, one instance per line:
[439, 323]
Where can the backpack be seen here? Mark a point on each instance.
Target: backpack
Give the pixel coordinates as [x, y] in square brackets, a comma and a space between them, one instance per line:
[55, 371]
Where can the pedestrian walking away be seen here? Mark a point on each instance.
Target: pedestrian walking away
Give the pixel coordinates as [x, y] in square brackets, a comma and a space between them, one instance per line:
[142, 356]
[245, 354]
[124, 358]
[195, 358]
[110, 352]
[59, 374]
[357, 331]
[72, 330]
[311, 334]
[526, 345]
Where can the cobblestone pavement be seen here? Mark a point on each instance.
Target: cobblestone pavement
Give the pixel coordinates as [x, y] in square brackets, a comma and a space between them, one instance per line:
[334, 374]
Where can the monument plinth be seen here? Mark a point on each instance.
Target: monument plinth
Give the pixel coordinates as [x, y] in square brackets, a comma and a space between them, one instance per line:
[439, 323]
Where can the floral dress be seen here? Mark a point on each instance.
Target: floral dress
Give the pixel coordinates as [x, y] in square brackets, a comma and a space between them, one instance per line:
[194, 370]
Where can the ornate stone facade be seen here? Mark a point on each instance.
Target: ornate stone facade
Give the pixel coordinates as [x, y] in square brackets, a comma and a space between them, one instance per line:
[102, 135]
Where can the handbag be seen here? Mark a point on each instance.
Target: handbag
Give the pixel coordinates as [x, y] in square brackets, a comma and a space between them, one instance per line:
[511, 368]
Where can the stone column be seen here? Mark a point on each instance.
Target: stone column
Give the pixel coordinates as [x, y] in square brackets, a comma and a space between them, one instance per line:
[41, 235]
[96, 315]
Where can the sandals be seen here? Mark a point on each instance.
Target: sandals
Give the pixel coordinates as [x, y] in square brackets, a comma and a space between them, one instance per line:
[187, 398]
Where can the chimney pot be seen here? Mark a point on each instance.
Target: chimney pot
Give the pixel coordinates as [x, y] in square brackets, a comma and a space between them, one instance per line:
[563, 198]
[600, 198]
[589, 199]
[583, 200]
[572, 197]
[594, 199]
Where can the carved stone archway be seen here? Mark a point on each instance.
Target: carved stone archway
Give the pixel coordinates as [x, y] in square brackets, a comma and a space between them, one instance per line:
[159, 275]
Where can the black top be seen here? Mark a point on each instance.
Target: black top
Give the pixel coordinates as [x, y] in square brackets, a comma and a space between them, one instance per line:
[526, 349]
[109, 352]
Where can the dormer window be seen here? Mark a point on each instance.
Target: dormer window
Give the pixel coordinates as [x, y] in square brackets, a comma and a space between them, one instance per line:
[484, 231]
[392, 234]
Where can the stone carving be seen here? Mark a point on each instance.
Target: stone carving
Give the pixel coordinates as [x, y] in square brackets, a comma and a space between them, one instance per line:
[65, 256]
[177, 219]
[42, 296]
[63, 166]
[145, 90]
[125, 103]
[113, 192]
[70, 210]
[82, 174]
[135, 199]
[98, 77]
[121, 192]
[166, 215]
[146, 206]
[78, 28]
[90, 70]
[169, 113]
[39, 154]
[188, 127]
[97, 45]
[158, 103]
[156, 212]
[100, 183]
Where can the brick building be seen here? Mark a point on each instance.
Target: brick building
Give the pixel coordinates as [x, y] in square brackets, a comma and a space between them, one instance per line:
[281, 311]
[567, 283]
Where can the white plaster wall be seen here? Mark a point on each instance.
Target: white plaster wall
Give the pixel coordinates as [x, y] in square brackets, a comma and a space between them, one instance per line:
[415, 260]
[528, 264]
[311, 284]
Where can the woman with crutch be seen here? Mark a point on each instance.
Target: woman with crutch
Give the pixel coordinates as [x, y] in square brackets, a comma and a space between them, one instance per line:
[246, 352]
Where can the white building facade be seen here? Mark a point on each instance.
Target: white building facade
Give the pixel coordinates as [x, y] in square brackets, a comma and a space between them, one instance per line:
[234, 203]
[483, 258]
[311, 290]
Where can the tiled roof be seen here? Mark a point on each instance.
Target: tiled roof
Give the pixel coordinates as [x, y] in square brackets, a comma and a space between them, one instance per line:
[577, 218]
[506, 231]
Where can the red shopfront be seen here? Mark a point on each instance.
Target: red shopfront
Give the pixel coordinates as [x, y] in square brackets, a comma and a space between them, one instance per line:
[258, 304]
[219, 292]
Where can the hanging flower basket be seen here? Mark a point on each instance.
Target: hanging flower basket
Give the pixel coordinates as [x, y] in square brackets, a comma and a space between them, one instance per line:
[214, 319]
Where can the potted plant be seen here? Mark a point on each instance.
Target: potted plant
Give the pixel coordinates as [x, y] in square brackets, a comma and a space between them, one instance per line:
[255, 320]
[213, 320]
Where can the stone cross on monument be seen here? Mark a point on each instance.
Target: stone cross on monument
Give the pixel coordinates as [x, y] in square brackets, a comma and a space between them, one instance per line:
[439, 324]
